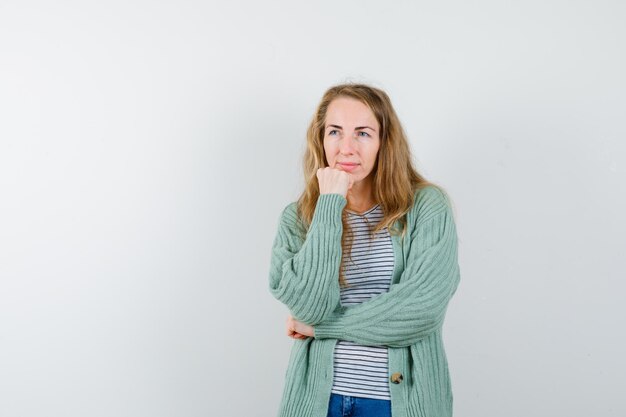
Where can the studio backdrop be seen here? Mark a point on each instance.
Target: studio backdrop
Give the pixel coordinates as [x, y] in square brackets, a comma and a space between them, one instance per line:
[147, 149]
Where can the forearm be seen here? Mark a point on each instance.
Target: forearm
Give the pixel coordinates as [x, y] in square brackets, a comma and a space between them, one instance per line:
[304, 275]
[414, 307]
[390, 322]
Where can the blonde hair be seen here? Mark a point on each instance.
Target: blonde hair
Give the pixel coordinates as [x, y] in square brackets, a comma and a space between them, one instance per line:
[395, 180]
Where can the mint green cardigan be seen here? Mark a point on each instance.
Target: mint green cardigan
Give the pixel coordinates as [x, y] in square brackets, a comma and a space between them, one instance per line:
[408, 319]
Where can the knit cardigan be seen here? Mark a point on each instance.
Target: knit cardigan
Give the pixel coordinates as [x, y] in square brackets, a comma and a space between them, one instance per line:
[304, 275]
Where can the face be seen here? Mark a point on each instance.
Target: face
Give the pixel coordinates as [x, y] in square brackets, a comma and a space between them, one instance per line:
[351, 138]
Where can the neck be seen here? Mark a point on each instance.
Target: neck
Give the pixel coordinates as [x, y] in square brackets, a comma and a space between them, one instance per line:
[360, 197]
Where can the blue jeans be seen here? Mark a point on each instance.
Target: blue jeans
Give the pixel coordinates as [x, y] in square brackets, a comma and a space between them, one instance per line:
[345, 406]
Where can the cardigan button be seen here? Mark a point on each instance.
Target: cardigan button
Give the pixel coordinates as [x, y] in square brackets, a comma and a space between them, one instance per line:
[396, 378]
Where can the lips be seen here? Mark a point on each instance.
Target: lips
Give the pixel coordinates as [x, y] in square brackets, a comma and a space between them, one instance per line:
[347, 166]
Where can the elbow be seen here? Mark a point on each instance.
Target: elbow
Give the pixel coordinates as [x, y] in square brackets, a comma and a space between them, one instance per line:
[315, 312]
[307, 308]
[310, 299]
[420, 330]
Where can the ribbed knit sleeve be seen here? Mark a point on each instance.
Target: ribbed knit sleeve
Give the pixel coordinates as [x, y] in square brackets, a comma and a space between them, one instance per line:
[304, 271]
[415, 306]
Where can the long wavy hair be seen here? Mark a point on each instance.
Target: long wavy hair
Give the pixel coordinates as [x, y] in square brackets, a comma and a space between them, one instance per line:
[395, 180]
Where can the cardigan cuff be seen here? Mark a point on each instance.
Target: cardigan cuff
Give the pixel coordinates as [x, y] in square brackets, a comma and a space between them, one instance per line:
[329, 328]
[328, 209]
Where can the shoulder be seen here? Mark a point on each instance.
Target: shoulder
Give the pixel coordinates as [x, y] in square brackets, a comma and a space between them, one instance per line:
[429, 201]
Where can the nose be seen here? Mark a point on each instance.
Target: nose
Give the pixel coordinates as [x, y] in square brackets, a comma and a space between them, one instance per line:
[347, 145]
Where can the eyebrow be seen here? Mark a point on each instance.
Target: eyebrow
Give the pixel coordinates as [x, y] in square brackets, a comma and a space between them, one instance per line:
[356, 128]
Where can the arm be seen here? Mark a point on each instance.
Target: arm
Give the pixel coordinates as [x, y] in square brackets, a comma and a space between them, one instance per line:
[304, 274]
[414, 307]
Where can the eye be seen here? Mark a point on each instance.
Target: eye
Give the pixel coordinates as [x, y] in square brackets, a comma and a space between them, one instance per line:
[330, 133]
[365, 134]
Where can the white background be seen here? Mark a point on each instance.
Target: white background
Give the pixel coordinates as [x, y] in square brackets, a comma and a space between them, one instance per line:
[148, 147]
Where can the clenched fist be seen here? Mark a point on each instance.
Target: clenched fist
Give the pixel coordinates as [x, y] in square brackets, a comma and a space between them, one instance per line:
[334, 181]
[298, 330]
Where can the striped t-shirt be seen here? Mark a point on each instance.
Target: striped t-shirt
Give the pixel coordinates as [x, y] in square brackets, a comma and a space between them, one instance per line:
[362, 371]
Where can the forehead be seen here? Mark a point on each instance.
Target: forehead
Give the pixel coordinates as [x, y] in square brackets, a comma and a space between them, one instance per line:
[349, 111]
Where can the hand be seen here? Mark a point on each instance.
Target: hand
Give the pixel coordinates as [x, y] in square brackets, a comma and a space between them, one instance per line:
[334, 181]
[298, 330]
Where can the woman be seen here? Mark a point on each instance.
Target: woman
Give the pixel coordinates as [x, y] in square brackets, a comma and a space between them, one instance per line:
[366, 262]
